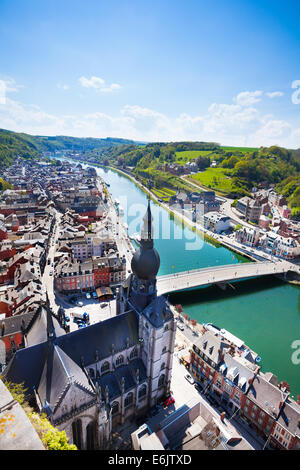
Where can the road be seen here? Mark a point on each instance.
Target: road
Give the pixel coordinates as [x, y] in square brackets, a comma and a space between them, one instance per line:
[48, 280]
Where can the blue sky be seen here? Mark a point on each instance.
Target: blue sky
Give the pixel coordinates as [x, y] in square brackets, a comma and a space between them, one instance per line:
[153, 70]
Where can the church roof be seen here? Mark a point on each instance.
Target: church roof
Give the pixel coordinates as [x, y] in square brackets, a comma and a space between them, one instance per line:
[158, 312]
[79, 347]
[58, 374]
[83, 343]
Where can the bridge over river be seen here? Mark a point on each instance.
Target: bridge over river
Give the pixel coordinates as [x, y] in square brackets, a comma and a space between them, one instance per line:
[221, 275]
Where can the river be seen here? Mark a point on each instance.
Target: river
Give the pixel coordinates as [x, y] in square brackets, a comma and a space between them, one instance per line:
[264, 312]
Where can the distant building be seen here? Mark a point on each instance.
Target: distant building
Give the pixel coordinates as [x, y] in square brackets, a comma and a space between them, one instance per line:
[250, 208]
[216, 222]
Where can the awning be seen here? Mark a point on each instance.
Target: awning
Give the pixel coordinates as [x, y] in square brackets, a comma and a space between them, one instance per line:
[104, 291]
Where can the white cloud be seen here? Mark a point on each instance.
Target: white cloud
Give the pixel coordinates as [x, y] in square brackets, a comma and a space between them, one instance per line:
[227, 123]
[248, 98]
[98, 84]
[275, 94]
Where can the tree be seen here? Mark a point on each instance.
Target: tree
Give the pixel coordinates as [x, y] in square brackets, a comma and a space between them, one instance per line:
[179, 308]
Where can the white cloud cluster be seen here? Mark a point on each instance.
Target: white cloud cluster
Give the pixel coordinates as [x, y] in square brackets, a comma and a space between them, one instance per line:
[238, 123]
[275, 94]
[248, 98]
[98, 84]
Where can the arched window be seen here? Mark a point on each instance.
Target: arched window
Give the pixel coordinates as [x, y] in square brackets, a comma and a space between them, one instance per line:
[128, 400]
[77, 433]
[166, 327]
[91, 436]
[105, 367]
[119, 360]
[115, 408]
[161, 380]
[142, 392]
[164, 349]
[133, 353]
[162, 366]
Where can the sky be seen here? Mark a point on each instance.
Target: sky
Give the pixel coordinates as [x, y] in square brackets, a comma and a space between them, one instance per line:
[169, 70]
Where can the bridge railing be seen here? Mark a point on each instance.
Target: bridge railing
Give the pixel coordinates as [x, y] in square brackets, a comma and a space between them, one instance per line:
[214, 268]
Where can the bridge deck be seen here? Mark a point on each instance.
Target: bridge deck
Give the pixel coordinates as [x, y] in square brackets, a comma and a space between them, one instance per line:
[218, 274]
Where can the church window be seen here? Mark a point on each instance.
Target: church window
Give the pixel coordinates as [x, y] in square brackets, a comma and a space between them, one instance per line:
[142, 392]
[91, 436]
[105, 367]
[162, 366]
[166, 327]
[161, 380]
[77, 433]
[164, 349]
[128, 400]
[119, 360]
[133, 353]
[115, 408]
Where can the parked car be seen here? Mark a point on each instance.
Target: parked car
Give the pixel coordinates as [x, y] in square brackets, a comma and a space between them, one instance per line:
[51, 273]
[180, 327]
[169, 401]
[94, 295]
[88, 296]
[198, 387]
[189, 378]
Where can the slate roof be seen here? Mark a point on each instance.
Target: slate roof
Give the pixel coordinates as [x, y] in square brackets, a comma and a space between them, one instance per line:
[158, 311]
[58, 374]
[84, 343]
[110, 381]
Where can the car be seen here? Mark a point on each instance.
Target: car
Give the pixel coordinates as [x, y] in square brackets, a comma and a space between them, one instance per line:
[189, 378]
[67, 319]
[88, 296]
[169, 401]
[94, 295]
[180, 327]
[51, 273]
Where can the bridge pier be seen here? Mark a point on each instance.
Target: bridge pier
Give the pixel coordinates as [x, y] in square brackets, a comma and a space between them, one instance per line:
[222, 285]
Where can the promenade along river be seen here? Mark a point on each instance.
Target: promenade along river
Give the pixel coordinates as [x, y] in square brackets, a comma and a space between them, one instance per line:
[263, 312]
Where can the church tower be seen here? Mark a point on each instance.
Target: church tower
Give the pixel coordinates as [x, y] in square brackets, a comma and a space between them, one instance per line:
[140, 287]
